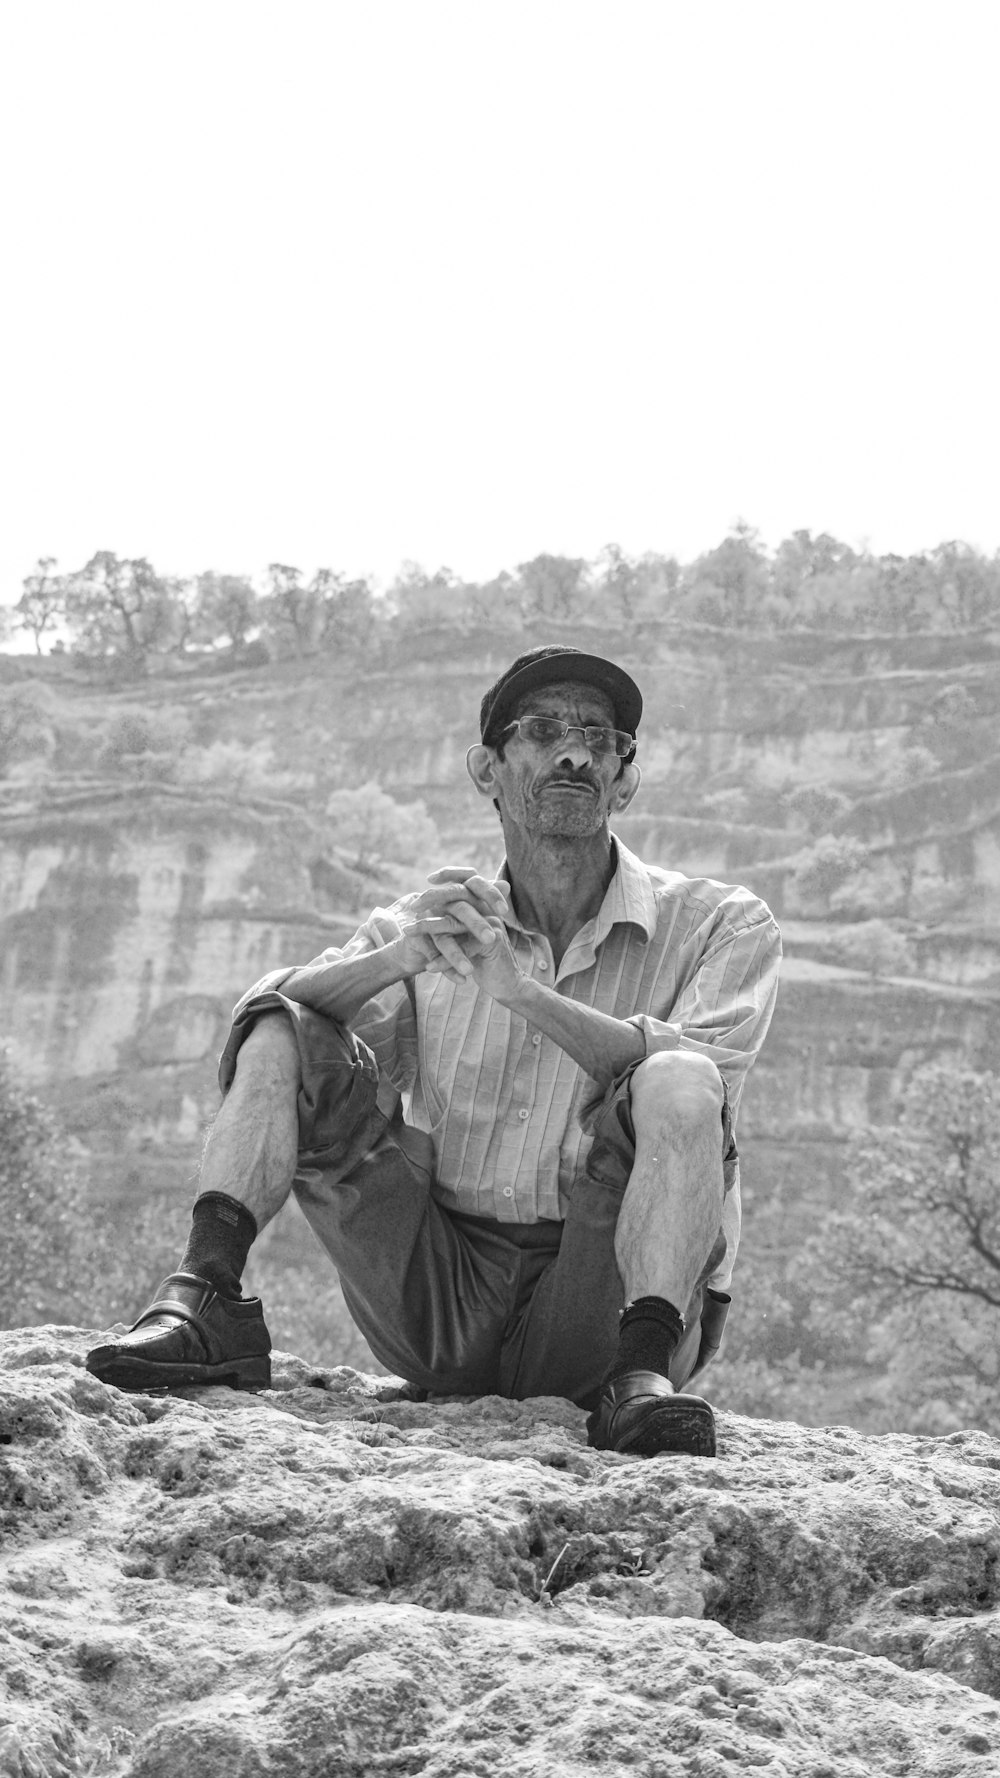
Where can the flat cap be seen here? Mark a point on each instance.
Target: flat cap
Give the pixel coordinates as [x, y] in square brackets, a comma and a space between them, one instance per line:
[547, 666]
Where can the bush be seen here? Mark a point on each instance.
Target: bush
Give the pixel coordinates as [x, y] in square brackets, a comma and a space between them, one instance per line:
[819, 806]
[241, 770]
[63, 1257]
[827, 866]
[874, 947]
[39, 1190]
[904, 1270]
[26, 725]
[372, 826]
[147, 744]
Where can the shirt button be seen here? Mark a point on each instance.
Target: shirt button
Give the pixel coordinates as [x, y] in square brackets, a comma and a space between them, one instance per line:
[536, 1040]
[523, 1115]
[508, 1191]
[543, 966]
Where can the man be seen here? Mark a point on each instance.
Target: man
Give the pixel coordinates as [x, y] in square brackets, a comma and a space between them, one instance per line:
[506, 1108]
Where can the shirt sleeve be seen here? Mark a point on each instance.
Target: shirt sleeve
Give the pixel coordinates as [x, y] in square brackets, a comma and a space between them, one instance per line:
[386, 1022]
[725, 1008]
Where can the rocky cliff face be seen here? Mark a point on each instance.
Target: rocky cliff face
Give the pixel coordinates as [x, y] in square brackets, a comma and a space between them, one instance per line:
[329, 1579]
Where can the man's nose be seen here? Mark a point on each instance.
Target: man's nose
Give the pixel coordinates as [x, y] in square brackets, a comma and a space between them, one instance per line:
[574, 751]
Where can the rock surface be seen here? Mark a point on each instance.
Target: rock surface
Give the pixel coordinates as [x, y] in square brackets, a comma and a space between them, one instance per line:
[331, 1579]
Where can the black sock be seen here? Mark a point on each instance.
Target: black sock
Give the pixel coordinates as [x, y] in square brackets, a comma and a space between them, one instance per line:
[222, 1231]
[649, 1334]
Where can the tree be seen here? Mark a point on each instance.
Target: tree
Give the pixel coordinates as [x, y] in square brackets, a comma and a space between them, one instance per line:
[905, 1268]
[822, 869]
[120, 607]
[659, 579]
[181, 602]
[874, 947]
[496, 603]
[816, 580]
[148, 744]
[349, 613]
[905, 594]
[225, 605]
[553, 586]
[39, 1188]
[968, 585]
[42, 603]
[952, 730]
[61, 1257]
[729, 583]
[620, 583]
[292, 611]
[26, 726]
[818, 805]
[802, 557]
[421, 598]
[374, 827]
[288, 606]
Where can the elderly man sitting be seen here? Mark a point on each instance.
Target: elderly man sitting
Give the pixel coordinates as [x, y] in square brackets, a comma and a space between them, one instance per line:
[506, 1108]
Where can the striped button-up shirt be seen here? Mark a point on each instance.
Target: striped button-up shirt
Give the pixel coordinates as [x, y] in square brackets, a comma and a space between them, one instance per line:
[691, 962]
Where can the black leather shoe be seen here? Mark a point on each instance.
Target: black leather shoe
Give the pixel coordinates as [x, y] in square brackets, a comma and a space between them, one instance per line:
[190, 1334]
[641, 1414]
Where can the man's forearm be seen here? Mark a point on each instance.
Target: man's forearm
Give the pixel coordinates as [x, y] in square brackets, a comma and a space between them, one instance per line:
[342, 987]
[602, 1046]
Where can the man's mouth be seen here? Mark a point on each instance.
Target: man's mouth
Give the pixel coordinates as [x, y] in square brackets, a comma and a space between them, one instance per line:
[568, 784]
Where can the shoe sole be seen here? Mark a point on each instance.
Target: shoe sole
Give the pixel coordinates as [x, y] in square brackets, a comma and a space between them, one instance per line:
[140, 1376]
[675, 1428]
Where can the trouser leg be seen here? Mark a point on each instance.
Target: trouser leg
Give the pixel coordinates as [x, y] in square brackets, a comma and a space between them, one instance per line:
[566, 1335]
[431, 1307]
[431, 1303]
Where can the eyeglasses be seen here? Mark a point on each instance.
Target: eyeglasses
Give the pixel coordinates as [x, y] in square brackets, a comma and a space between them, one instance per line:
[546, 731]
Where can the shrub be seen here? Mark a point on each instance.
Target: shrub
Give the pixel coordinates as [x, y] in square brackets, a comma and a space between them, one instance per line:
[371, 825]
[819, 806]
[241, 770]
[826, 866]
[63, 1257]
[26, 726]
[144, 743]
[874, 947]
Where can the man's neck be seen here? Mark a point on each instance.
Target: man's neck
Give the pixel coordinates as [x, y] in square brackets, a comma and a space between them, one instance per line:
[559, 884]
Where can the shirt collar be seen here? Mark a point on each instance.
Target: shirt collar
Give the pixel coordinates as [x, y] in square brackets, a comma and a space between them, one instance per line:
[628, 899]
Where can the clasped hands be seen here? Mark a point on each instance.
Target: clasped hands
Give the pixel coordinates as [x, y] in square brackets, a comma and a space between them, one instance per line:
[455, 927]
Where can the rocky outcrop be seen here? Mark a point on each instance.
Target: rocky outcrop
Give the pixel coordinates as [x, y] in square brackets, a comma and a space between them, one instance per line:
[331, 1579]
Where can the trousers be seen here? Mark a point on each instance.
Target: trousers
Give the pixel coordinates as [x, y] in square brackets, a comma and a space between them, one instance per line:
[460, 1304]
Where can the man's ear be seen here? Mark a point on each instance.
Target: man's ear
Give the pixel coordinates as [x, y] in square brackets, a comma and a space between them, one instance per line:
[480, 763]
[625, 788]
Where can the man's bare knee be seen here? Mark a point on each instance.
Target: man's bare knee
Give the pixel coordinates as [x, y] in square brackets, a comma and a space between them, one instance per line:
[676, 1089]
[268, 1057]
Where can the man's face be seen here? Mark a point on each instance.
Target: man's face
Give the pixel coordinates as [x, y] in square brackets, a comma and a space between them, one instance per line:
[561, 790]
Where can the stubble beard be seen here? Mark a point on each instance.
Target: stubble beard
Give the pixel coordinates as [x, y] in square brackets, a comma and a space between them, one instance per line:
[582, 817]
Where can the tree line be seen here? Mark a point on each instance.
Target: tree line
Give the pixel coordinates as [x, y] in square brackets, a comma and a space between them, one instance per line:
[121, 608]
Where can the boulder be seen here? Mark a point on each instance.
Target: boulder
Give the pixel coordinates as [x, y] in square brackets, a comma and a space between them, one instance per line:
[332, 1579]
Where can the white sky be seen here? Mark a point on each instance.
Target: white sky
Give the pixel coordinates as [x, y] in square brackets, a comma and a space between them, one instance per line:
[461, 281]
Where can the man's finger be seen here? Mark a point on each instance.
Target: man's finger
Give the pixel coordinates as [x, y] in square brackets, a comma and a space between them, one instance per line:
[472, 921]
[438, 966]
[453, 955]
[432, 924]
[462, 876]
